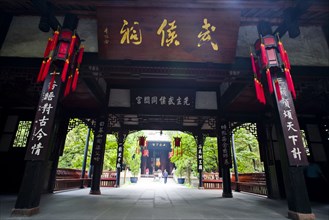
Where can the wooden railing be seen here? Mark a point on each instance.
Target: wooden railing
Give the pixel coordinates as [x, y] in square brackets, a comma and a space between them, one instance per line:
[248, 182]
[212, 181]
[108, 178]
[251, 182]
[69, 179]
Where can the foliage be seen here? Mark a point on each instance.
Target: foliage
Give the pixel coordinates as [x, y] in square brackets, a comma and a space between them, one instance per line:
[186, 162]
[132, 156]
[135, 164]
[246, 145]
[74, 149]
[210, 155]
[110, 155]
[247, 152]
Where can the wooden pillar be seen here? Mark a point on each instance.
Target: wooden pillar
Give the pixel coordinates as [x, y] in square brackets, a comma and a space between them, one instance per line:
[144, 164]
[85, 155]
[292, 154]
[57, 152]
[235, 166]
[121, 139]
[97, 158]
[38, 150]
[265, 157]
[225, 160]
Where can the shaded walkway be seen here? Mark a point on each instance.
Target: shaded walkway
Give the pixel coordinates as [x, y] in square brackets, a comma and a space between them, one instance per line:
[154, 200]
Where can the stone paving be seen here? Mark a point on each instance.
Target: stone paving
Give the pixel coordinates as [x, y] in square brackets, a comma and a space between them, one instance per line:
[150, 199]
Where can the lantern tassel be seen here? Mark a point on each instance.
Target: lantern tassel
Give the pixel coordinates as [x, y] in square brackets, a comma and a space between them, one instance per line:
[262, 95]
[290, 83]
[253, 63]
[65, 68]
[81, 51]
[277, 89]
[46, 69]
[282, 53]
[269, 81]
[75, 79]
[257, 89]
[55, 40]
[288, 79]
[287, 60]
[48, 48]
[263, 55]
[41, 71]
[68, 86]
[73, 39]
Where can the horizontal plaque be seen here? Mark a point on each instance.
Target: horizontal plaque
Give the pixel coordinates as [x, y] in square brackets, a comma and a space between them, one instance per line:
[166, 101]
[168, 34]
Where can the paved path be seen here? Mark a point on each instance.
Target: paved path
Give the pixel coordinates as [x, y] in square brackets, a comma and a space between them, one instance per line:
[155, 200]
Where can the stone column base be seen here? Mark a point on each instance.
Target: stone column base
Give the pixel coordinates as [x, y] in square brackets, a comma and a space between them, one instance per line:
[25, 212]
[95, 192]
[300, 216]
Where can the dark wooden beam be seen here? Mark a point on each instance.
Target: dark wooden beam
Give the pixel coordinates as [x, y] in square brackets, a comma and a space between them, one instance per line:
[5, 21]
[95, 90]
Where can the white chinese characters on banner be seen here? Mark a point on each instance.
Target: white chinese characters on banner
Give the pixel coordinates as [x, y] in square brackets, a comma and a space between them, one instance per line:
[163, 100]
[225, 145]
[200, 157]
[119, 155]
[290, 126]
[97, 154]
[45, 109]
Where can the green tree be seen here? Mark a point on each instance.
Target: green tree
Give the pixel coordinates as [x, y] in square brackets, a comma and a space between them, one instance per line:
[74, 148]
[110, 155]
[210, 155]
[247, 152]
[132, 156]
[186, 161]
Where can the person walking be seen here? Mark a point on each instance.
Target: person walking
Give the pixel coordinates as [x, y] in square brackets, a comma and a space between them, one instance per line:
[165, 176]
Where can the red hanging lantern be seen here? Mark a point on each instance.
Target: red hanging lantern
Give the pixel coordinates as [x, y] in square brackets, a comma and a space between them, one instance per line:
[62, 54]
[142, 140]
[177, 141]
[145, 153]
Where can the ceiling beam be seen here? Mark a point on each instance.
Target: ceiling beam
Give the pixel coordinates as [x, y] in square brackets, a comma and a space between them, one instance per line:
[95, 90]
